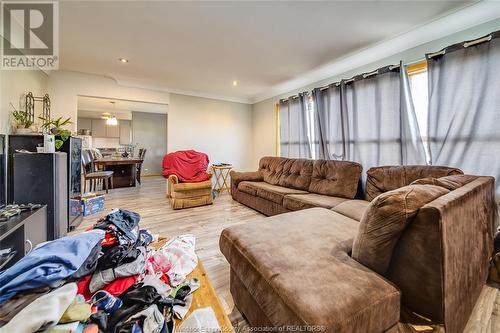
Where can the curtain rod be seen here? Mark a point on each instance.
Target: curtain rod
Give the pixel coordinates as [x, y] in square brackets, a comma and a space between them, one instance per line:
[465, 44]
[365, 75]
[294, 96]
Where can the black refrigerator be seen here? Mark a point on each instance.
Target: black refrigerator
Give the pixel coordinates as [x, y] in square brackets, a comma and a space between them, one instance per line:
[41, 178]
[73, 148]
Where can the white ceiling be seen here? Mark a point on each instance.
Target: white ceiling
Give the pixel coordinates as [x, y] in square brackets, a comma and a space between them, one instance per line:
[201, 47]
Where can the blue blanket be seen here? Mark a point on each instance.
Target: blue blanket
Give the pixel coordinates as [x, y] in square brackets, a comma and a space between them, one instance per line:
[48, 264]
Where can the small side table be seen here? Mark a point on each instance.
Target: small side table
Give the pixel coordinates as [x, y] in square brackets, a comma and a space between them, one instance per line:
[221, 173]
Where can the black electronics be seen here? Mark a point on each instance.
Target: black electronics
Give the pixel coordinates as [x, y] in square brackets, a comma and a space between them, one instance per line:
[73, 148]
[3, 172]
[42, 178]
[19, 142]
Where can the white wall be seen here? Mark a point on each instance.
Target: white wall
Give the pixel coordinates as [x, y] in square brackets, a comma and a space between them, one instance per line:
[149, 131]
[221, 129]
[264, 130]
[264, 115]
[64, 88]
[13, 86]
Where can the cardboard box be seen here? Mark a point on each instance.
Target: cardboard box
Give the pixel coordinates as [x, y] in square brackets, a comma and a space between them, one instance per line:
[75, 206]
[92, 205]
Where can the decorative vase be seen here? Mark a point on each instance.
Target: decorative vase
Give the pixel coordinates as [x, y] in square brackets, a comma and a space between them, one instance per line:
[24, 130]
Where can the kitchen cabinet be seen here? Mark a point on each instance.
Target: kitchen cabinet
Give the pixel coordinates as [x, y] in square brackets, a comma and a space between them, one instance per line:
[84, 123]
[99, 128]
[113, 131]
[125, 132]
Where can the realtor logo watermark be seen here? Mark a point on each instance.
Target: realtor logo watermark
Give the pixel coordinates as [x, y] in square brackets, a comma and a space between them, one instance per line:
[30, 35]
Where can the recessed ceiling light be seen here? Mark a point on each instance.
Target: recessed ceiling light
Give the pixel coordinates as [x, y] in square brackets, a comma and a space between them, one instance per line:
[235, 83]
[123, 60]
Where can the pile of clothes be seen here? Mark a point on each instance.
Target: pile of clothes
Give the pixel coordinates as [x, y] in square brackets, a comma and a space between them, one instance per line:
[113, 278]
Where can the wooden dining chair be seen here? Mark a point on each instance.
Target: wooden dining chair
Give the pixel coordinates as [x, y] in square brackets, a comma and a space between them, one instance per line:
[142, 154]
[92, 176]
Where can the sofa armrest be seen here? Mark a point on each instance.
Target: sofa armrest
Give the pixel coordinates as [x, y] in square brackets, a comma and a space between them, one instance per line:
[237, 177]
[171, 180]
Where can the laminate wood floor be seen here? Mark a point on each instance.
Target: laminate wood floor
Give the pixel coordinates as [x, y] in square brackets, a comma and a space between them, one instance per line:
[207, 223]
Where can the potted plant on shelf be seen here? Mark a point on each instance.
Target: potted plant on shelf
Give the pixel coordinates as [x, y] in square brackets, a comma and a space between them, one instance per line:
[55, 127]
[23, 122]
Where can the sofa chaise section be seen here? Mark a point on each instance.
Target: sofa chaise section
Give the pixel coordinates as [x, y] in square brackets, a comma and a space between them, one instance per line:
[295, 270]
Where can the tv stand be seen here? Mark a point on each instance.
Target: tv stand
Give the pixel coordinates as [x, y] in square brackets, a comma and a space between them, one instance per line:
[21, 233]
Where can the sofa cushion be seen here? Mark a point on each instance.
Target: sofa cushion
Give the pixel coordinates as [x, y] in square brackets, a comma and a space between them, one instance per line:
[186, 187]
[207, 191]
[267, 191]
[237, 177]
[297, 268]
[352, 208]
[271, 168]
[247, 187]
[304, 201]
[335, 178]
[388, 178]
[449, 182]
[286, 172]
[264, 206]
[385, 220]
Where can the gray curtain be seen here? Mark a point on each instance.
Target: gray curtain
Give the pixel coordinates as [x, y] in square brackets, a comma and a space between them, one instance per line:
[329, 122]
[464, 108]
[369, 119]
[293, 115]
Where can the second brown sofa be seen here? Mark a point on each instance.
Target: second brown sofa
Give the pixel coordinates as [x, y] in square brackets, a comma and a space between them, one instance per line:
[283, 185]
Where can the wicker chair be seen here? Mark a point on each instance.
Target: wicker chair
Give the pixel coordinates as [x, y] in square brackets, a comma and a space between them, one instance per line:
[186, 195]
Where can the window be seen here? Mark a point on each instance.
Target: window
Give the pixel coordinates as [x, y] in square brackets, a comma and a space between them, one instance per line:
[311, 127]
[419, 88]
[420, 95]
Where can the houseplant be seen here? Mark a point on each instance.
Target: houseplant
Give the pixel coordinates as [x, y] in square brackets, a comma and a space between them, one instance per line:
[23, 122]
[55, 127]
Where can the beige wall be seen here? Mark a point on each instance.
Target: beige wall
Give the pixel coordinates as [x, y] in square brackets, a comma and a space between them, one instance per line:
[221, 129]
[149, 131]
[264, 118]
[13, 86]
[264, 130]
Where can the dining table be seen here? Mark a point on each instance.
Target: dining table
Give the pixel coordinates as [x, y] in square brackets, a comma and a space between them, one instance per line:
[124, 169]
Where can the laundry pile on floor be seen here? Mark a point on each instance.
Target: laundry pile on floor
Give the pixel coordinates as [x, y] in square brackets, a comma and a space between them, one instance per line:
[113, 278]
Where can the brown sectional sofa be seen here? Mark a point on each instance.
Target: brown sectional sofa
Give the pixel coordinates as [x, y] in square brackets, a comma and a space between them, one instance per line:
[421, 247]
[283, 185]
